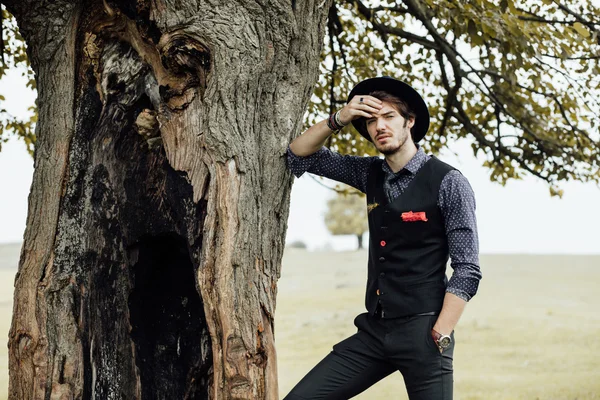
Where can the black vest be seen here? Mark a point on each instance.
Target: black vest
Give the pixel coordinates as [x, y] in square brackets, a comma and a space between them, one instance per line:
[407, 259]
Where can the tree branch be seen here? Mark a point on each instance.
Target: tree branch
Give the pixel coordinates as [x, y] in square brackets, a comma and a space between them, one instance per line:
[536, 18]
[579, 17]
[2, 36]
[442, 43]
[340, 191]
[452, 92]
[385, 30]
[369, 16]
[546, 21]
[571, 58]
[572, 81]
[500, 105]
[463, 118]
[398, 10]
[409, 36]
[453, 55]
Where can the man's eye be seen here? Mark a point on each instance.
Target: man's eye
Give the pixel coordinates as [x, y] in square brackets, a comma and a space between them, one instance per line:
[390, 116]
[369, 121]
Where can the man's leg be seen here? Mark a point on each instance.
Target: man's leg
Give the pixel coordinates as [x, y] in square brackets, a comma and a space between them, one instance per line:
[354, 365]
[434, 380]
[428, 375]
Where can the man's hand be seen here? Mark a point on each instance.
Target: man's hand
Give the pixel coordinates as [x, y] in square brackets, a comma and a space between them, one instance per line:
[357, 108]
[440, 340]
[315, 136]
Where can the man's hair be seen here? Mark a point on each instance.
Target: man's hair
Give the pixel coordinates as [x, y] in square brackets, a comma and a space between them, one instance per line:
[396, 101]
[399, 104]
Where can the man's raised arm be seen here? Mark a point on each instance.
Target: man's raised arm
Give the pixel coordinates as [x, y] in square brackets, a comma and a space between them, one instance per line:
[314, 138]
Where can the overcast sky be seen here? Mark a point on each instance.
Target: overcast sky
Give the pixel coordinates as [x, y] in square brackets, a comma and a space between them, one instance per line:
[518, 218]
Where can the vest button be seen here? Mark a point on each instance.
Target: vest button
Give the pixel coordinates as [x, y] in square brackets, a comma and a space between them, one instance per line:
[382, 274]
[382, 243]
[377, 292]
[381, 259]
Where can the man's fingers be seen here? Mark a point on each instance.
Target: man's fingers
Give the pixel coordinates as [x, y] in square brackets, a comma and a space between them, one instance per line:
[369, 103]
[368, 108]
[374, 101]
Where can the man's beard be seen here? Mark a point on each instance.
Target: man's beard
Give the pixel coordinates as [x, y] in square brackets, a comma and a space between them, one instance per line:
[388, 151]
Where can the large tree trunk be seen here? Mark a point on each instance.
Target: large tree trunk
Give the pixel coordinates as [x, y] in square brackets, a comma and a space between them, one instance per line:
[160, 197]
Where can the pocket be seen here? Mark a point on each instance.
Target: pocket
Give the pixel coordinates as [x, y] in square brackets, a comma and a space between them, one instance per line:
[430, 341]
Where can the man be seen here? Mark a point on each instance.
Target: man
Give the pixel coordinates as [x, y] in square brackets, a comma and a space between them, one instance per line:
[421, 212]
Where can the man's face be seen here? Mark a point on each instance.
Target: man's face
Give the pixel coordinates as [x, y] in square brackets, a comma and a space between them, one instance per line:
[388, 129]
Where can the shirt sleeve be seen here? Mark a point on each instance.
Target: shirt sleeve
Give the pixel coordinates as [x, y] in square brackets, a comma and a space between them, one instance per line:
[351, 170]
[457, 203]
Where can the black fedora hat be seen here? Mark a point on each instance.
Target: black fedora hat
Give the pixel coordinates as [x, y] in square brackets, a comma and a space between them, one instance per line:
[397, 88]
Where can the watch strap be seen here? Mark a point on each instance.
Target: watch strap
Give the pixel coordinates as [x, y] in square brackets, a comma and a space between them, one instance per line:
[436, 335]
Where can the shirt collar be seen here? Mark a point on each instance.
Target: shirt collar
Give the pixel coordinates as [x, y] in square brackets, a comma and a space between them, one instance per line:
[412, 166]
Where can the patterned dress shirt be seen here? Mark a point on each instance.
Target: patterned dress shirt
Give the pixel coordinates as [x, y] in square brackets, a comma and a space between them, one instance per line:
[456, 201]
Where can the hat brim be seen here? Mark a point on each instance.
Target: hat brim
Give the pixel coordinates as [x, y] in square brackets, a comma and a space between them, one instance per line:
[397, 88]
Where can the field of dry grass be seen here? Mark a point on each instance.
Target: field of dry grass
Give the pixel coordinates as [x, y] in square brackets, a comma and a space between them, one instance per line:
[530, 333]
[9, 258]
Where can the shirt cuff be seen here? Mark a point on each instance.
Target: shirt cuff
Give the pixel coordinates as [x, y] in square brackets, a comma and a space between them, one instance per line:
[463, 287]
[459, 293]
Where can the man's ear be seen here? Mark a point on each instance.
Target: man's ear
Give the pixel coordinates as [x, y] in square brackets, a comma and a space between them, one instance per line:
[411, 122]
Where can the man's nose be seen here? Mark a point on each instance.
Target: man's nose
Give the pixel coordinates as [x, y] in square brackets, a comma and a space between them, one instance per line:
[380, 124]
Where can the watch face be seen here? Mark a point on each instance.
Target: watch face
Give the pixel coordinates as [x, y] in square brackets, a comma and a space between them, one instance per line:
[444, 342]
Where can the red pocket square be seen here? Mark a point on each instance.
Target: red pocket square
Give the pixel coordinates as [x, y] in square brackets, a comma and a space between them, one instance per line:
[411, 216]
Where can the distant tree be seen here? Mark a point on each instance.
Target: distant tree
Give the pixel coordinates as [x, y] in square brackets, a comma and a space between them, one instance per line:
[297, 244]
[347, 215]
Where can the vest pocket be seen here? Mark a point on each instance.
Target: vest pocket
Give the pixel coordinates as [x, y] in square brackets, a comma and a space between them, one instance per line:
[412, 233]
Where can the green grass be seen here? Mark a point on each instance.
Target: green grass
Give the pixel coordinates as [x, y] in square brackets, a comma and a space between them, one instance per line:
[530, 333]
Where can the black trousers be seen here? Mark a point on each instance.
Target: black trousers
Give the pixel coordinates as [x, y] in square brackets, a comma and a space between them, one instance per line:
[379, 348]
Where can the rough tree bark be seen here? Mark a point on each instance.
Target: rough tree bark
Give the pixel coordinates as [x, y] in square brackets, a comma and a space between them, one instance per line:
[159, 201]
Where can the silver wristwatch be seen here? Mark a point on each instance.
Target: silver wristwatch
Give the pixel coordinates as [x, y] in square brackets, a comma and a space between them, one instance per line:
[442, 341]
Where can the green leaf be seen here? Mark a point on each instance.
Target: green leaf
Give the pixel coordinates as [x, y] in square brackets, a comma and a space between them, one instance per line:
[581, 29]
